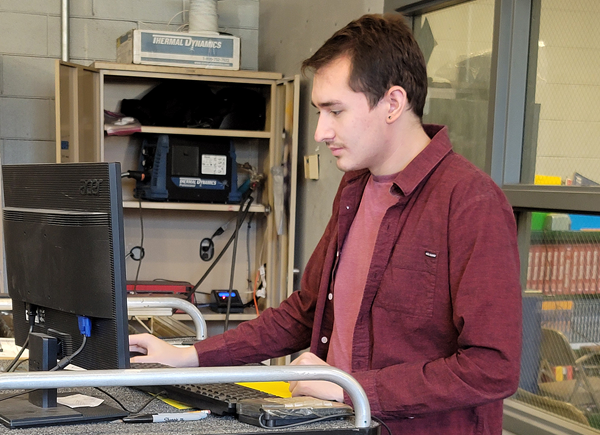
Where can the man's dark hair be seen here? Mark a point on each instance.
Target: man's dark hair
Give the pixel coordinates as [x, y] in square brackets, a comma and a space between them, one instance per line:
[383, 53]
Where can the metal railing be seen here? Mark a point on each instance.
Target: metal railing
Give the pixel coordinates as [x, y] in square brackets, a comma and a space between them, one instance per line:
[180, 304]
[196, 375]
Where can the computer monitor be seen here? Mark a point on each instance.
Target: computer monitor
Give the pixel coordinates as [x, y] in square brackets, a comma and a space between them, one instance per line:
[65, 262]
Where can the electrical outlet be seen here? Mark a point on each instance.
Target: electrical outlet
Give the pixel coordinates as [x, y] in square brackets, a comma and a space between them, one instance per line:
[311, 167]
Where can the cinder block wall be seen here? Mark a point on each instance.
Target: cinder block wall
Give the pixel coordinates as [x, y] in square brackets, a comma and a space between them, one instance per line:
[30, 43]
[30, 36]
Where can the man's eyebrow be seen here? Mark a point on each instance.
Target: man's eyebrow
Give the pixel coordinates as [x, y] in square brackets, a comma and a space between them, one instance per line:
[326, 104]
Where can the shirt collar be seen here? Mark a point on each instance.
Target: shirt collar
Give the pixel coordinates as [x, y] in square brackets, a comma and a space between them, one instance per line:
[411, 176]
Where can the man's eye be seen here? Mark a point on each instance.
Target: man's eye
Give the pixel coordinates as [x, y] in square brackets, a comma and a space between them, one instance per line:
[336, 112]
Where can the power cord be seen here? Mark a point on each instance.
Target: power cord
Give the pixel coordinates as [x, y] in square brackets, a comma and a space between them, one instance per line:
[250, 283]
[241, 217]
[85, 327]
[380, 421]
[262, 424]
[137, 411]
[207, 246]
[15, 362]
[139, 248]
[247, 200]
[31, 313]
[21, 361]
[137, 253]
[3, 398]
[67, 360]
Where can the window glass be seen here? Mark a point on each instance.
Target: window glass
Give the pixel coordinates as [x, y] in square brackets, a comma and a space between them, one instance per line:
[563, 109]
[457, 44]
[560, 368]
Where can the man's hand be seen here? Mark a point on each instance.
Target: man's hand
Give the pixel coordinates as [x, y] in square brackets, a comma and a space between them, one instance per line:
[155, 350]
[320, 389]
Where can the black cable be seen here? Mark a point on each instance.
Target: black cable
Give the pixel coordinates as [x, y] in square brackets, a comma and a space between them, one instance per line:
[113, 398]
[380, 421]
[137, 411]
[19, 363]
[240, 219]
[3, 398]
[67, 360]
[141, 247]
[232, 273]
[31, 312]
[249, 279]
[216, 260]
[300, 423]
[152, 398]
[13, 364]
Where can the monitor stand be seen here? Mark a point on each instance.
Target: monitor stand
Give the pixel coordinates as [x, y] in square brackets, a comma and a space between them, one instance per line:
[40, 407]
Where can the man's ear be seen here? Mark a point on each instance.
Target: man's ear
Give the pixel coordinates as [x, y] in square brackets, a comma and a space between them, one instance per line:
[397, 102]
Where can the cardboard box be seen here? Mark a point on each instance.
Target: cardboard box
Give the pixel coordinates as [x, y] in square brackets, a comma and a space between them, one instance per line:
[151, 47]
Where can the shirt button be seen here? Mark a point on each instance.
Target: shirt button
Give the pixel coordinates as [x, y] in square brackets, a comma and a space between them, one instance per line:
[324, 340]
[347, 207]
[330, 296]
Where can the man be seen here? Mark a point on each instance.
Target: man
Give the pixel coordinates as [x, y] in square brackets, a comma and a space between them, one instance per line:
[414, 286]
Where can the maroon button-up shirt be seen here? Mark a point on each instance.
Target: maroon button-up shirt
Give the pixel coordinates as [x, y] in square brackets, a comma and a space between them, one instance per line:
[438, 337]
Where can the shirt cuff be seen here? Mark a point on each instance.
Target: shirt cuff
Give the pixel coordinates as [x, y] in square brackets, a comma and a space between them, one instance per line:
[213, 352]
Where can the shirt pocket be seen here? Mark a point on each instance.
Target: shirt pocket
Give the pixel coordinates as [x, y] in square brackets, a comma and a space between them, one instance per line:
[408, 285]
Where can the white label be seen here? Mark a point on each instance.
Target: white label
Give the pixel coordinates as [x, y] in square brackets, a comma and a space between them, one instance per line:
[214, 165]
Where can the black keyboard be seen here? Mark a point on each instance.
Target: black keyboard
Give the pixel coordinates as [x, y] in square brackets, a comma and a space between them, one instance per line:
[221, 399]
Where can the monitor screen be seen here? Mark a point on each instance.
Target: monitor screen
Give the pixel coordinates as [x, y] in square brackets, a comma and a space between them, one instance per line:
[64, 249]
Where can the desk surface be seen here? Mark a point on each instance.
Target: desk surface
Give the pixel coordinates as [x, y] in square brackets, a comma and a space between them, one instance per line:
[134, 399]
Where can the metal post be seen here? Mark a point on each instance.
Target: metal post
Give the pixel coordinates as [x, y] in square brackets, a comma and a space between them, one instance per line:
[64, 30]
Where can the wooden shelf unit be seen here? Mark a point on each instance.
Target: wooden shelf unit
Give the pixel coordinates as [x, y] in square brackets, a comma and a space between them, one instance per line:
[174, 229]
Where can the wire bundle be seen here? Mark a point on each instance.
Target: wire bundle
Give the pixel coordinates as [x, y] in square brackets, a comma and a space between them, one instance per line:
[203, 16]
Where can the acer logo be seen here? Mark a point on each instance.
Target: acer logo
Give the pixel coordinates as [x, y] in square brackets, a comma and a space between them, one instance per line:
[90, 187]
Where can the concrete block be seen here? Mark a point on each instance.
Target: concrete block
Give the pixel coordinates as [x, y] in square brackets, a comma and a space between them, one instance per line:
[54, 37]
[239, 14]
[24, 151]
[140, 10]
[23, 34]
[27, 118]
[81, 8]
[96, 39]
[28, 77]
[249, 47]
[41, 7]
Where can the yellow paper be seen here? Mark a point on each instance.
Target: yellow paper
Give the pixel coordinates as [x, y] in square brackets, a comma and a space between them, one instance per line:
[280, 389]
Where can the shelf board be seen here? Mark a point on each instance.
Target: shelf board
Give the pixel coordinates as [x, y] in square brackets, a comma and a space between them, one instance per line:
[256, 208]
[207, 132]
[114, 68]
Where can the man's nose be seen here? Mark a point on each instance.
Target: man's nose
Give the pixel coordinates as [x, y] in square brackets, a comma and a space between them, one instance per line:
[324, 132]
